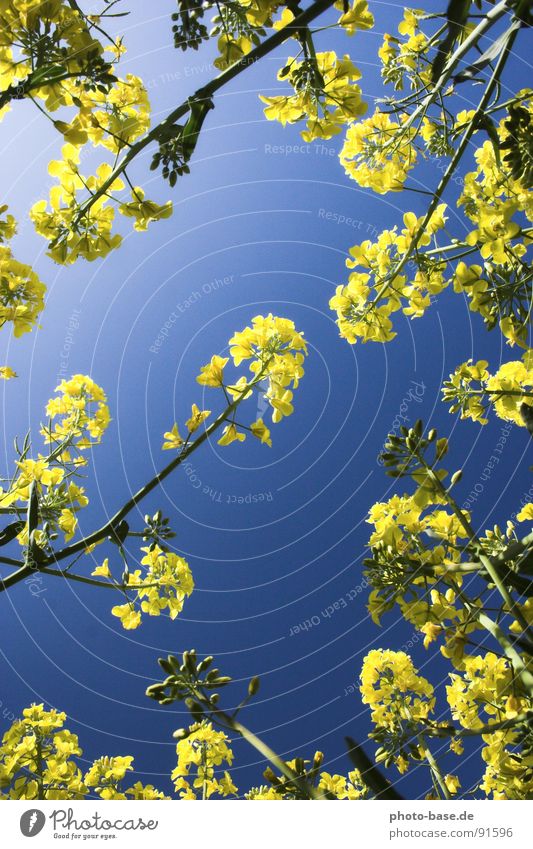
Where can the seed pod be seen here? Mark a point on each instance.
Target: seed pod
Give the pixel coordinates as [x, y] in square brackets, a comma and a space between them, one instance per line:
[253, 686]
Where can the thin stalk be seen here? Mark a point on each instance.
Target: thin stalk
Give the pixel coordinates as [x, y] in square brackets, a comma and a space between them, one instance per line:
[93, 582]
[504, 724]
[268, 753]
[434, 767]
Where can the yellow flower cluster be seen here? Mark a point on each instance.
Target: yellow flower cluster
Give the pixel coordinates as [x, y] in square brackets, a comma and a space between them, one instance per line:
[7, 373]
[405, 571]
[144, 211]
[36, 758]
[78, 413]
[59, 500]
[328, 786]
[236, 28]
[487, 685]
[499, 205]
[81, 416]
[406, 58]
[374, 291]
[106, 774]
[326, 96]
[198, 417]
[343, 787]
[387, 674]
[113, 119]
[199, 753]
[92, 238]
[506, 776]
[277, 352]
[21, 290]
[398, 697]
[48, 52]
[37, 762]
[486, 693]
[378, 153]
[164, 585]
[22, 23]
[471, 388]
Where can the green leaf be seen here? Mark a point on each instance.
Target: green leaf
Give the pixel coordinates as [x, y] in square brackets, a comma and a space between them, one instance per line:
[370, 773]
[457, 16]
[492, 52]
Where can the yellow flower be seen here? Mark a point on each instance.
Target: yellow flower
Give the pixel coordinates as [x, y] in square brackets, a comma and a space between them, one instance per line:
[129, 617]
[198, 754]
[409, 25]
[431, 632]
[74, 409]
[103, 570]
[144, 211]
[6, 373]
[146, 791]
[260, 430]
[356, 18]
[392, 687]
[173, 439]
[213, 373]
[287, 17]
[39, 470]
[339, 101]
[281, 402]
[452, 783]
[231, 434]
[197, 417]
[105, 775]
[67, 522]
[526, 513]
[21, 293]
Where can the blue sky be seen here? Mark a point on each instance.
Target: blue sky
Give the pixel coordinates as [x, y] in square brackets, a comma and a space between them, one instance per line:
[274, 537]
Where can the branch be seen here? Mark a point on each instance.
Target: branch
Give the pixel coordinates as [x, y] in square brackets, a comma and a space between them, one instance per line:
[107, 528]
[205, 93]
[454, 731]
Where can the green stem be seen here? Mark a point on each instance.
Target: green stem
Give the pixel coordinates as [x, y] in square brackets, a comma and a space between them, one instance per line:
[452, 731]
[69, 576]
[10, 561]
[308, 791]
[501, 393]
[434, 767]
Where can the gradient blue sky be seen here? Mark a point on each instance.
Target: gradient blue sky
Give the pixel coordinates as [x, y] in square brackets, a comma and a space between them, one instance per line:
[249, 235]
